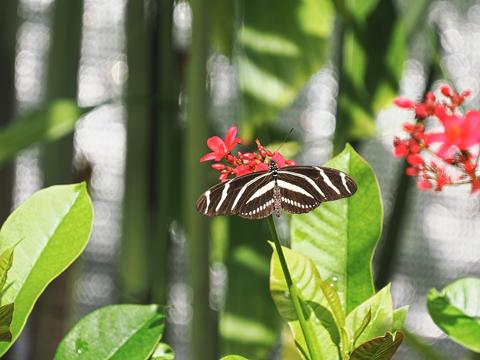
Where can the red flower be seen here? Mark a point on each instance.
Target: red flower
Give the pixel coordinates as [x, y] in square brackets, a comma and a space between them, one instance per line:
[459, 132]
[221, 148]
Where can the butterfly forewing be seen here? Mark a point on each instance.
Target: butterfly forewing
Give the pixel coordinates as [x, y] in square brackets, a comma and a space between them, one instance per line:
[300, 189]
[324, 184]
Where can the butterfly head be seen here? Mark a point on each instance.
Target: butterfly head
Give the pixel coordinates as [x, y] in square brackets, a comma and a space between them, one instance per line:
[273, 165]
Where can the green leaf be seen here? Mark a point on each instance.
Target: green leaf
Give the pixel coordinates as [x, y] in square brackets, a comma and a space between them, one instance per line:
[6, 260]
[233, 357]
[380, 348]
[456, 310]
[374, 50]
[360, 329]
[46, 124]
[281, 48]
[163, 352]
[325, 313]
[6, 314]
[399, 316]
[129, 332]
[54, 227]
[340, 236]
[381, 316]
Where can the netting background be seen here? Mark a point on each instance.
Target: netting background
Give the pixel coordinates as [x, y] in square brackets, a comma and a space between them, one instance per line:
[439, 234]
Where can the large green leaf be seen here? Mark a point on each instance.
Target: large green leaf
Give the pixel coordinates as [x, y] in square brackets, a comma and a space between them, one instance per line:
[340, 236]
[120, 332]
[45, 124]
[456, 310]
[49, 231]
[379, 312]
[380, 348]
[280, 48]
[374, 50]
[326, 316]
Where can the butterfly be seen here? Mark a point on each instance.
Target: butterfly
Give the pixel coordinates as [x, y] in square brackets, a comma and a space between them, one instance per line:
[295, 189]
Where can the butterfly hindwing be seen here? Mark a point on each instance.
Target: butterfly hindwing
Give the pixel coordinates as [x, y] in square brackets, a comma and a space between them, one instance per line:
[226, 198]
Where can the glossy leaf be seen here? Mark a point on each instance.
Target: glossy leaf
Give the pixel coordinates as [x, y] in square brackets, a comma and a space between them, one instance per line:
[379, 306]
[456, 310]
[129, 332]
[163, 352]
[50, 230]
[326, 315]
[46, 124]
[380, 348]
[340, 236]
[282, 46]
[6, 260]
[233, 357]
[399, 316]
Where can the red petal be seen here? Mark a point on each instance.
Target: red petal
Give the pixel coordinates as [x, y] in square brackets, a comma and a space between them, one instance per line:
[279, 159]
[415, 160]
[290, 162]
[242, 170]
[424, 184]
[261, 167]
[218, 166]
[445, 89]
[404, 103]
[216, 144]
[230, 140]
[211, 156]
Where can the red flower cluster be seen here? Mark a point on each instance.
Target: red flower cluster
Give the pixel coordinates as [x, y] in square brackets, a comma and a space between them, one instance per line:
[456, 146]
[243, 163]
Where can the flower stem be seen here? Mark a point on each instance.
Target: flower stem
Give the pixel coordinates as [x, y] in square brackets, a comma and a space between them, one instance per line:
[306, 327]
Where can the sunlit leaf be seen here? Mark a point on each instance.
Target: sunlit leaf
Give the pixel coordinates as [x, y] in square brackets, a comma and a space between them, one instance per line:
[233, 357]
[456, 310]
[380, 348]
[163, 352]
[46, 124]
[399, 316]
[280, 47]
[374, 50]
[129, 332]
[381, 317]
[340, 236]
[50, 230]
[6, 260]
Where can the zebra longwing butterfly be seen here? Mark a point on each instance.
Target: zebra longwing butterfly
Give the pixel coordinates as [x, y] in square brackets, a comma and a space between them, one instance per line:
[296, 189]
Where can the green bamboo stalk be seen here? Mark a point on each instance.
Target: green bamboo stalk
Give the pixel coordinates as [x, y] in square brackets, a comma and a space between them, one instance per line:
[53, 310]
[165, 173]
[202, 326]
[8, 31]
[134, 248]
[307, 330]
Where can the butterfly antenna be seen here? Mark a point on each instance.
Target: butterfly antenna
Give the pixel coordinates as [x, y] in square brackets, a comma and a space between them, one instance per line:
[285, 139]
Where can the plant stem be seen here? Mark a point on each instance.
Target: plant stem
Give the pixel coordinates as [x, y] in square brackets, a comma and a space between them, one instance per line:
[306, 327]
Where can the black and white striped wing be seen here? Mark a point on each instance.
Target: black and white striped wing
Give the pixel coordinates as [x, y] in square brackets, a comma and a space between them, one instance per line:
[303, 188]
[234, 197]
